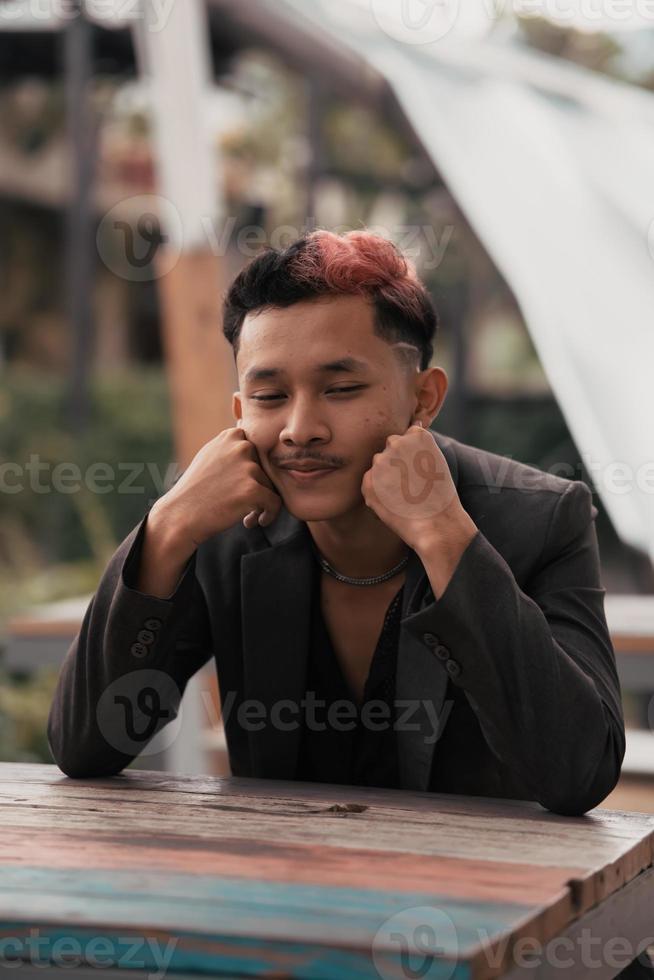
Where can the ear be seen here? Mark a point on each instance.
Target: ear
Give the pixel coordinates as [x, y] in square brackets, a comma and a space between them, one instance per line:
[431, 389]
[237, 410]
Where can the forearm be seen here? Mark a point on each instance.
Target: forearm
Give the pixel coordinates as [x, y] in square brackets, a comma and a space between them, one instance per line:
[540, 711]
[127, 641]
[532, 699]
[164, 555]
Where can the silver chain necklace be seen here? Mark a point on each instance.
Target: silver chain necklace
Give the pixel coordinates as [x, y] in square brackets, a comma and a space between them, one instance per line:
[350, 580]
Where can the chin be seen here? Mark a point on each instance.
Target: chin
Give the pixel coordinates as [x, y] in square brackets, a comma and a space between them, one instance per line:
[305, 509]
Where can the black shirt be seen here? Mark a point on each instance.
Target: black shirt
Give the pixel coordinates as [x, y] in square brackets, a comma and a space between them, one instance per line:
[354, 745]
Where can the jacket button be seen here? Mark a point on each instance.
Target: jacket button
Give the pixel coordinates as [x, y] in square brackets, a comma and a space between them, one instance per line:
[152, 624]
[453, 668]
[138, 649]
[430, 639]
[442, 652]
[145, 636]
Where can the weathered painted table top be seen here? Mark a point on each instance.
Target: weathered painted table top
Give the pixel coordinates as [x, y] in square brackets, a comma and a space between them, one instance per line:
[239, 876]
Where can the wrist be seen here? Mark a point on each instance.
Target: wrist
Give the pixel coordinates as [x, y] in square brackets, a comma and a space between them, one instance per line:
[450, 534]
[441, 549]
[171, 531]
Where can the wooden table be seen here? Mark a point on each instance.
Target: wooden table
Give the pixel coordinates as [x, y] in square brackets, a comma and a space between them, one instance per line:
[233, 876]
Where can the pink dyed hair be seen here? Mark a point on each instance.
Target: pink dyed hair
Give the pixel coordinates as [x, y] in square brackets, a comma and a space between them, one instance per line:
[322, 263]
[362, 263]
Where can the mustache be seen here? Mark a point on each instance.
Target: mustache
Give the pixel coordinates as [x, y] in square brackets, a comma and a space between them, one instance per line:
[320, 460]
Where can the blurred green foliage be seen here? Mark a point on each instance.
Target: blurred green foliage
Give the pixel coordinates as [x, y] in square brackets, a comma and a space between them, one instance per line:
[55, 541]
[24, 704]
[129, 425]
[53, 544]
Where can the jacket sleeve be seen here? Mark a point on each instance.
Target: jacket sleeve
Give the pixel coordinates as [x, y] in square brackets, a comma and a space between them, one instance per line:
[537, 666]
[123, 677]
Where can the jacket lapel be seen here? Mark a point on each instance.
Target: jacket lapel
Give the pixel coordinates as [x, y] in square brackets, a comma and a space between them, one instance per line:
[420, 681]
[276, 591]
[420, 686]
[276, 606]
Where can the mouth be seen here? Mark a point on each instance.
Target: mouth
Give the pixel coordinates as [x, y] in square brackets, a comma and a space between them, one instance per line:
[302, 477]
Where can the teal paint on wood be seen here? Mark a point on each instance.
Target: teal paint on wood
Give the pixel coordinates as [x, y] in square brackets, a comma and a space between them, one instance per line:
[239, 906]
[159, 955]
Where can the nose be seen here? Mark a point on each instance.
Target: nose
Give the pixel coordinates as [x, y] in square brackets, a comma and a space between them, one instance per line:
[303, 424]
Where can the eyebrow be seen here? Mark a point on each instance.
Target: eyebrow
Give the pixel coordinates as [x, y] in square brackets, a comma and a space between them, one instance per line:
[348, 365]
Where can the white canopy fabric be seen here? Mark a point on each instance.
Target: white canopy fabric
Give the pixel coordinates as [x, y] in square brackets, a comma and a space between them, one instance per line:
[553, 166]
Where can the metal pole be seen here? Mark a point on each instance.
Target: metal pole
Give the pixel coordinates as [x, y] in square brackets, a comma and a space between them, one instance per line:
[80, 245]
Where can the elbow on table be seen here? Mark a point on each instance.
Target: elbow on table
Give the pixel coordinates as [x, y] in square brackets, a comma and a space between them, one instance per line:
[77, 769]
[77, 764]
[578, 799]
[574, 806]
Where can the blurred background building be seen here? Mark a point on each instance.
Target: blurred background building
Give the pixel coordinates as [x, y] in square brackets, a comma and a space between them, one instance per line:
[314, 114]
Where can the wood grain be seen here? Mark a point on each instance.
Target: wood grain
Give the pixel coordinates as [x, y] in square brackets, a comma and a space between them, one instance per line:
[300, 879]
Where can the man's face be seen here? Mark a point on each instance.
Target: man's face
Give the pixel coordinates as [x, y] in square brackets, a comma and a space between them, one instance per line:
[301, 413]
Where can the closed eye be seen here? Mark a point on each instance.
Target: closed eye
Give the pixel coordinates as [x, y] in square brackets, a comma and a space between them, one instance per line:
[334, 391]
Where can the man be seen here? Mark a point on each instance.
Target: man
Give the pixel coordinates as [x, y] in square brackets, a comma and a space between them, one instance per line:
[502, 667]
[459, 586]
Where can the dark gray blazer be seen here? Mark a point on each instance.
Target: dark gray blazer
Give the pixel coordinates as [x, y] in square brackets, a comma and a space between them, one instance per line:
[514, 660]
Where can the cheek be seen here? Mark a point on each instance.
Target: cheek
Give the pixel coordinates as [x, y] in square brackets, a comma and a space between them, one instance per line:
[262, 432]
[377, 426]
[371, 439]
[264, 440]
